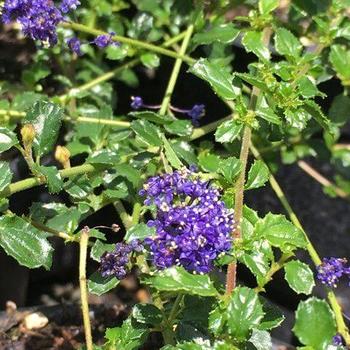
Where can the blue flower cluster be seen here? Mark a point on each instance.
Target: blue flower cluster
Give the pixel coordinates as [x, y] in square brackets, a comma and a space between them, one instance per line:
[193, 226]
[115, 263]
[38, 18]
[337, 340]
[331, 270]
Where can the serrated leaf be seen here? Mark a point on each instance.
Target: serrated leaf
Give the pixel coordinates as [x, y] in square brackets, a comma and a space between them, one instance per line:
[177, 279]
[7, 139]
[315, 111]
[99, 248]
[267, 6]
[139, 231]
[220, 80]
[24, 242]
[280, 232]
[99, 285]
[307, 87]
[179, 127]
[299, 277]
[258, 175]
[286, 43]
[272, 318]
[265, 112]
[228, 131]
[340, 59]
[53, 178]
[209, 162]
[230, 168]
[46, 118]
[6, 175]
[148, 132]
[315, 314]
[223, 33]
[253, 80]
[171, 155]
[253, 42]
[261, 339]
[147, 314]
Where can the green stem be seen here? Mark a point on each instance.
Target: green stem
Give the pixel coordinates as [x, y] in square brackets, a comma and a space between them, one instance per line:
[129, 41]
[176, 71]
[60, 234]
[342, 328]
[36, 181]
[207, 129]
[136, 214]
[124, 216]
[84, 241]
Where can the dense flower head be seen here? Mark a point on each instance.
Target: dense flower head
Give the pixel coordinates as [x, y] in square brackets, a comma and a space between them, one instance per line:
[75, 45]
[196, 113]
[193, 226]
[136, 102]
[331, 270]
[338, 340]
[115, 263]
[38, 18]
[105, 40]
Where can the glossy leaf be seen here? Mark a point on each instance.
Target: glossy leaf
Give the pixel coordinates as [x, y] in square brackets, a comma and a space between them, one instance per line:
[99, 285]
[299, 276]
[272, 318]
[261, 339]
[179, 127]
[258, 175]
[24, 242]
[230, 168]
[6, 175]
[253, 42]
[53, 178]
[139, 231]
[220, 80]
[223, 33]
[267, 6]
[280, 232]
[177, 279]
[99, 248]
[148, 132]
[171, 155]
[150, 60]
[228, 131]
[46, 118]
[286, 43]
[265, 112]
[209, 162]
[7, 139]
[147, 313]
[311, 315]
[340, 59]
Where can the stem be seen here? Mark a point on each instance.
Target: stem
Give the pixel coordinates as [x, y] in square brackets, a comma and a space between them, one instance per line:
[84, 240]
[124, 216]
[321, 179]
[175, 72]
[60, 234]
[168, 333]
[207, 129]
[129, 41]
[342, 329]
[36, 181]
[136, 214]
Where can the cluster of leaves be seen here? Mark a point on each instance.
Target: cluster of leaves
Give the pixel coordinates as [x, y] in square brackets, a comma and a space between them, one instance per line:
[112, 156]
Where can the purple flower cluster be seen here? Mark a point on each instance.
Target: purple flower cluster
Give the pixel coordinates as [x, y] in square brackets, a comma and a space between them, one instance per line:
[196, 113]
[331, 270]
[115, 263]
[105, 40]
[193, 226]
[338, 340]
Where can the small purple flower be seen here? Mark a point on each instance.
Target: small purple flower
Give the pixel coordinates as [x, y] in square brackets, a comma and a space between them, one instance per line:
[338, 340]
[105, 40]
[196, 113]
[115, 263]
[193, 226]
[75, 46]
[68, 5]
[331, 270]
[136, 102]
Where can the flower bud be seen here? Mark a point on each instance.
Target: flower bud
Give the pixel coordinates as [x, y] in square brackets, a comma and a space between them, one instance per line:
[62, 155]
[28, 135]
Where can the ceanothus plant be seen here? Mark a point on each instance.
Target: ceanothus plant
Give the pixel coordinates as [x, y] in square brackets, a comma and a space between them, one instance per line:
[180, 201]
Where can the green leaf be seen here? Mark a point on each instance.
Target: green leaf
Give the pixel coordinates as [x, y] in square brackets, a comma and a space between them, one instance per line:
[116, 52]
[299, 276]
[253, 80]
[280, 232]
[237, 317]
[253, 42]
[150, 60]
[130, 336]
[258, 175]
[139, 231]
[261, 339]
[267, 6]
[46, 118]
[24, 242]
[228, 131]
[104, 157]
[147, 313]
[272, 318]
[7, 139]
[219, 79]
[311, 315]
[297, 118]
[209, 162]
[130, 173]
[147, 132]
[339, 111]
[230, 168]
[177, 279]
[99, 248]
[179, 127]
[315, 111]
[6, 175]
[78, 187]
[286, 43]
[99, 285]
[53, 178]
[171, 155]
[152, 117]
[340, 59]
[307, 87]
[223, 33]
[265, 112]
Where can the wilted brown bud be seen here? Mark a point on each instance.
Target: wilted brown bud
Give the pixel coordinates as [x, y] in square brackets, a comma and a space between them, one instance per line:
[62, 155]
